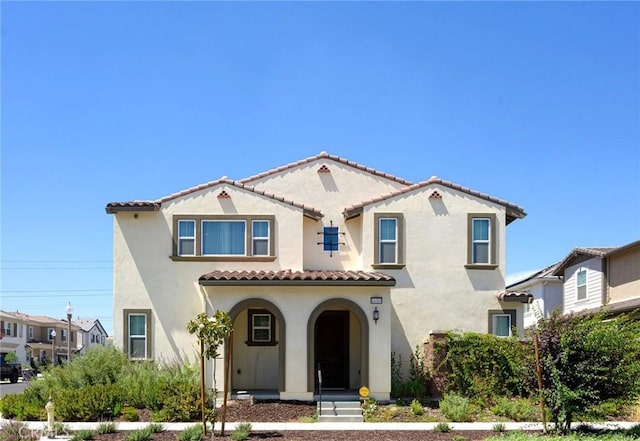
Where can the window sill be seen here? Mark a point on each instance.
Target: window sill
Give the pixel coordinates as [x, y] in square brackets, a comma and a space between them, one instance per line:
[262, 343]
[222, 258]
[388, 266]
[480, 266]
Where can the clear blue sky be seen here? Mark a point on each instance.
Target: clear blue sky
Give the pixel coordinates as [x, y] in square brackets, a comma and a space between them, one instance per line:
[535, 102]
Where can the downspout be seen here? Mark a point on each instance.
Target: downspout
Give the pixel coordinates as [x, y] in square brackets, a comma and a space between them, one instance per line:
[605, 281]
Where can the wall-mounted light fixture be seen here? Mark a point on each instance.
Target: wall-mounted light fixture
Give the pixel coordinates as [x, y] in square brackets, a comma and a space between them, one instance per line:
[376, 315]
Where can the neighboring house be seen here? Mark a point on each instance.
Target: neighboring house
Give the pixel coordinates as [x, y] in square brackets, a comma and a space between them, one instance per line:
[13, 333]
[594, 277]
[321, 262]
[90, 333]
[41, 344]
[546, 290]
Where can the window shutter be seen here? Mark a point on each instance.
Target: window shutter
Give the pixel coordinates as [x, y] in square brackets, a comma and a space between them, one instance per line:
[15, 329]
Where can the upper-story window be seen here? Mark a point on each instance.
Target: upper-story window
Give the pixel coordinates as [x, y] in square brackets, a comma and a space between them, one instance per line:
[581, 284]
[389, 240]
[233, 237]
[186, 237]
[330, 236]
[63, 335]
[481, 241]
[50, 332]
[260, 237]
[224, 238]
[8, 329]
[30, 332]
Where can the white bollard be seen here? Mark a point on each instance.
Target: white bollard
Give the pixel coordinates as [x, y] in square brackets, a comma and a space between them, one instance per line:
[50, 408]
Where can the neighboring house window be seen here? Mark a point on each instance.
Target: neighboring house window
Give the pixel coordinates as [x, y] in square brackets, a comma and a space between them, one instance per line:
[233, 237]
[93, 338]
[8, 326]
[261, 328]
[30, 332]
[102, 339]
[186, 238]
[582, 284]
[389, 240]
[63, 335]
[260, 237]
[501, 322]
[137, 335]
[20, 331]
[482, 241]
[49, 332]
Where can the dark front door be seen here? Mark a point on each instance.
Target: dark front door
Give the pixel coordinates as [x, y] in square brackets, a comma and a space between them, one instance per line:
[332, 348]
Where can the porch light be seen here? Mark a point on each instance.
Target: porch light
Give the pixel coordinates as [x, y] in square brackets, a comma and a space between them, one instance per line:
[376, 315]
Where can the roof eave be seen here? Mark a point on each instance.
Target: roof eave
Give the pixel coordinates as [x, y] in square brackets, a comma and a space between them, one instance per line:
[111, 209]
[297, 282]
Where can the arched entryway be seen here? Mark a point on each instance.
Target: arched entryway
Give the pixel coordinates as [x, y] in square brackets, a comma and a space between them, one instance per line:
[259, 346]
[338, 339]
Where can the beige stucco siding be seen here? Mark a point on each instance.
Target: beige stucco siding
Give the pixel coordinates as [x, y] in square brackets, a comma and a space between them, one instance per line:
[624, 275]
[435, 291]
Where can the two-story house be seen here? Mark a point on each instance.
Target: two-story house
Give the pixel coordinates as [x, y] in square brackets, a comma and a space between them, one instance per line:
[595, 277]
[321, 263]
[13, 336]
[90, 333]
[546, 290]
[47, 338]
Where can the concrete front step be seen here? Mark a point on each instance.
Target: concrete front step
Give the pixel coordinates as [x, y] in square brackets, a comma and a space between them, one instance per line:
[340, 411]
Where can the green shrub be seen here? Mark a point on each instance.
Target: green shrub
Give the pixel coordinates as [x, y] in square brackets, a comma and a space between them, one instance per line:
[156, 427]
[82, 435]
[369, 409]
[416, 408]
[130, 414]
[442, 427]
[499, 427]
[241, 432]
[11, 430]
[457, 408]
[88, 403]
[484, 366]
[140, 435]
[24, 406]
[418, 383]
[193, 433]
[518, 409]
[107, 427]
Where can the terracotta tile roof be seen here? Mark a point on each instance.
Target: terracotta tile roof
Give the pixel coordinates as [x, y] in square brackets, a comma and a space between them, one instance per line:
[288, 277]
[515, 296]
[325, 155]
[35, 318]
[114, 207]
[513, 211]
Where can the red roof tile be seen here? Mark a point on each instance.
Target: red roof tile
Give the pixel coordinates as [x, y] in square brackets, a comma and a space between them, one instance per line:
[325, 155]
[288, 277]
[513, 211]
[515, 296]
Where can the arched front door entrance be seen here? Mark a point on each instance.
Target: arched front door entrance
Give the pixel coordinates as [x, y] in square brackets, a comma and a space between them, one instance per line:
[338, 342]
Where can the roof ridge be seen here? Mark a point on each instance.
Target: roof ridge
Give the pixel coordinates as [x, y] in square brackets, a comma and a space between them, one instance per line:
[325, 155]
[519, 211]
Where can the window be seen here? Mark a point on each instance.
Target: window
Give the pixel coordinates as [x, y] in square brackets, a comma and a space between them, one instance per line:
[30, 332]
[20, 330]
[63, 335]
[186, 238]
[260, 237]
[330, 235]
[261, 328]
[50, 332]
[137, 335]
[388, 250]
[501, 322]
[482, 241]
[8, 326]
[93, 338]
[582, 284]
[224, 238]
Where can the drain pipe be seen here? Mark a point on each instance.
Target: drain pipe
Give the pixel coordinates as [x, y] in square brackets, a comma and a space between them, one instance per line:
[320, 391]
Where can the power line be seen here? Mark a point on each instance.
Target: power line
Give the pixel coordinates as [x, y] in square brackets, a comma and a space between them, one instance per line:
[56, 268]
[58, 290]
[60, 295]
[55, 261]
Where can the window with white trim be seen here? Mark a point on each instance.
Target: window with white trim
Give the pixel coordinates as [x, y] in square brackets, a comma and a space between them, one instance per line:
[8, 329]
[30, 332]
[260, 237]
[581, 284]
[137, 336]
[261, 330]
[63, 335]
[502, 322]
[481, 238]
[389, 240]
[186, 237]
[50, 333]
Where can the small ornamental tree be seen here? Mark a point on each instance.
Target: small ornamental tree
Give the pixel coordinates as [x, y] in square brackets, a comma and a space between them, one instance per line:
[586, 360]
[211, 332]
